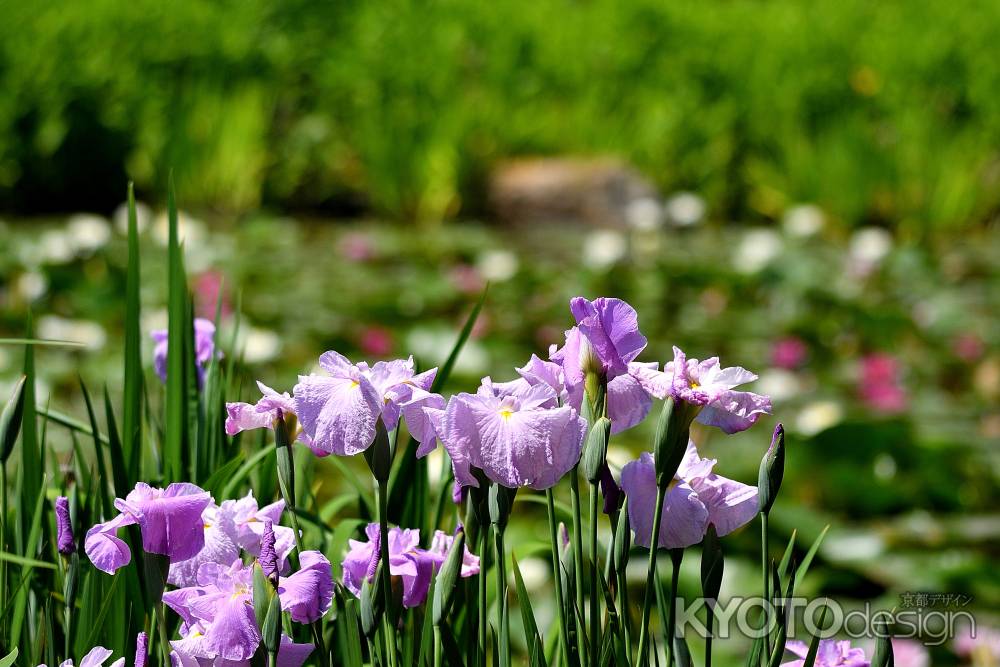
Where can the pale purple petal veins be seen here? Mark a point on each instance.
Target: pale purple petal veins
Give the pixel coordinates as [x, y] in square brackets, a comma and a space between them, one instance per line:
[291, 654]
[96, 658]
[434, 430]
[141, 649]
[245, 417]
[417, 422]
[684, 518]
[336, 364]
[339, 414]
[628, 403]
[569, 357]
[656, 383]
[308, 593]
[730, 504]
[233, 634]
[171, 521]
[102, 545]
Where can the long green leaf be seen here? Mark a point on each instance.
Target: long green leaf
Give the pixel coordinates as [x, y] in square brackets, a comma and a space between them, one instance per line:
[243, 471]
[531, 636]
[176, 426]
[71, 423]
[120, 485]
[26, 562]
[34, 535]
[41, 342]
[9, 659]
[31, 460]
[808, 559]
[132, 411]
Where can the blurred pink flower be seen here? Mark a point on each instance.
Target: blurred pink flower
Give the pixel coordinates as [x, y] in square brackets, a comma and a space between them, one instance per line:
[968, 347]
[789, 352]
[207, 289]
[879, 385]
[910, 653]
[357, 247]
[466, 279]
[985, 645]
[376, 341]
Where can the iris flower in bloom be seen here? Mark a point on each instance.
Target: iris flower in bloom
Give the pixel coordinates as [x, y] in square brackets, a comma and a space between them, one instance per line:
[339, 411]
[96, 658]
[606, 340]
[413, 565]
[699, 498]
[218, 611]
[832, 653]
[234, 525]
[187, 652]
[708, 386]
[169, 519]
[517, 439]
[204, 348]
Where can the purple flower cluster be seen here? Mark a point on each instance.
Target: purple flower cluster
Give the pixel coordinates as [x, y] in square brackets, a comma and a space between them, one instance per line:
[204, 348]
[218, 616]
[407, 561]
[204, 543]
[831, 653]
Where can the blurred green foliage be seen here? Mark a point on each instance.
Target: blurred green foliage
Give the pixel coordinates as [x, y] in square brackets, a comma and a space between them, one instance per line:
[883, 112]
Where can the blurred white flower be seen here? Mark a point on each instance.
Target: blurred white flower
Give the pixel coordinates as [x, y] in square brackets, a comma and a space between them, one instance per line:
[685, 209]
[603, 248]
[884, 466]
[535, 572]
[87, 233]
[818, 416]
[644, 214]
[31, 285]
[433, 344]
[497, 265]
[55, 248]
[868, 247]
[758, 248]
[779, 384]
[257, 345]
[844, 546]
[90, 334]
[190, 230]
[143, 216]
[803, 220]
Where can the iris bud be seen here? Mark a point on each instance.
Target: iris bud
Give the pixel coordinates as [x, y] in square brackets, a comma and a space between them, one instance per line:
[772, 469]
[712, 565]
[595, 450]
[10, 421]
[444, 585]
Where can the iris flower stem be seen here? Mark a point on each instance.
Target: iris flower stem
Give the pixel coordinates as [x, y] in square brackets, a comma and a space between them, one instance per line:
[556, 569]
[767, 582]
[161, 628]
[483, 600]
[437, 646]
[647, 604]
[709, 623]
[672, 612]
[382, 492]
[574, 490]
[595, 602]
[3, 540]
[502, 609]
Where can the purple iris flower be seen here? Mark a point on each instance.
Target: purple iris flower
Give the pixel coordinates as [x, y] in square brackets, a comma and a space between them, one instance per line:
[220, 608]
[95, 658]
[517, 439]
[169, 519]
[699, 498]
[264, 414]
[832, 653]
[189, 652]
[413, 565]
[204, 348]
[708, 386]
[606, 340]
[339, 411]
[308, 593]
[64, 527]
[230, 527]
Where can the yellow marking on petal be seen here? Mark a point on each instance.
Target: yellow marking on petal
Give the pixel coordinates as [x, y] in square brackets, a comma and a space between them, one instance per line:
[506, 413]
[355, 384]
[207, 526]
[693, 384]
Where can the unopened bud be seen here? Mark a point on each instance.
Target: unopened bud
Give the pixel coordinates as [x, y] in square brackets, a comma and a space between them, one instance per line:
[772, 469]
[64, 527]
[268, 557]
[595, 450]
[712, 565]
[141, 649]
